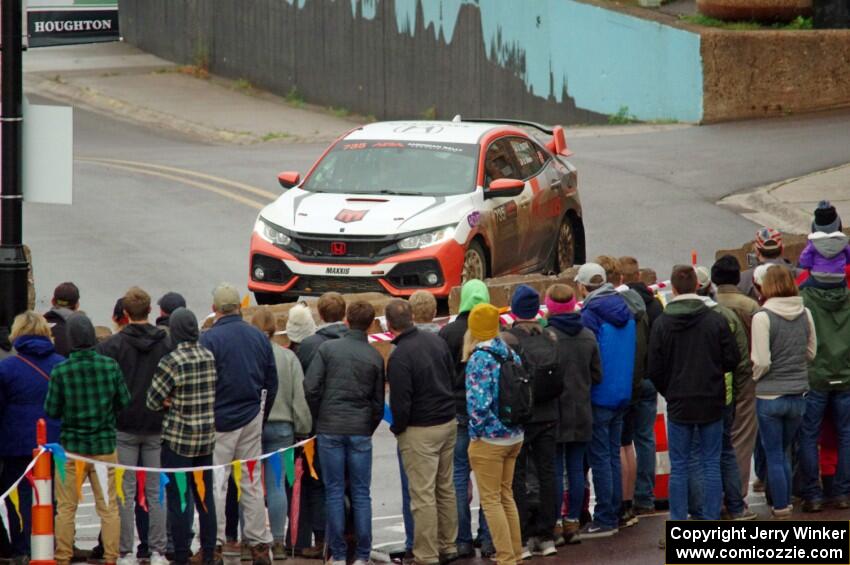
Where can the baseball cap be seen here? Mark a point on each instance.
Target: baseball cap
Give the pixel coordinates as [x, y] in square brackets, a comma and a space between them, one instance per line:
[591, 274]
[768, 238]
[703, 276]
[66, 294]
[171, 301]
[225, 295]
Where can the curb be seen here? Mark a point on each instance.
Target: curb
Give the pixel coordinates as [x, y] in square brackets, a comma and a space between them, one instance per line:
[97, 102]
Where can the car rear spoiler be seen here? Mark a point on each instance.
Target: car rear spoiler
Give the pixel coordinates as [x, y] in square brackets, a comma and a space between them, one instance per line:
[558, 143]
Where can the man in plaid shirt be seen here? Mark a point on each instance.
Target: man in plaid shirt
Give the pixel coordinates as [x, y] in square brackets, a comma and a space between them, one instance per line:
[86, 392]
[184, 386]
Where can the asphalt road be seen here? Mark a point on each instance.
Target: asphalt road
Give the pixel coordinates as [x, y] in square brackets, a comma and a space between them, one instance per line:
[168, 213]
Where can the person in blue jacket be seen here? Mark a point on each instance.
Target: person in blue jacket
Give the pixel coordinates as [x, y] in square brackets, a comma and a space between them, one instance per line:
[23, 387]
[606, 313]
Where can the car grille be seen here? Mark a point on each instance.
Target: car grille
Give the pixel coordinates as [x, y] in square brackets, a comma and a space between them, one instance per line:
[320, 247]
[319, 285]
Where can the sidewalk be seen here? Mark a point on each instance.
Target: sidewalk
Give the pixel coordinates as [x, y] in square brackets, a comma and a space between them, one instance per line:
[120, 80]
[789, 205]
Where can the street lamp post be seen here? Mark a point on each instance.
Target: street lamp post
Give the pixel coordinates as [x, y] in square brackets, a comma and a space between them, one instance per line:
[13, 262]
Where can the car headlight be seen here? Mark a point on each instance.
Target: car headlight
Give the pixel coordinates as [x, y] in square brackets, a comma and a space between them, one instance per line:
[270, 234]
[426, 239]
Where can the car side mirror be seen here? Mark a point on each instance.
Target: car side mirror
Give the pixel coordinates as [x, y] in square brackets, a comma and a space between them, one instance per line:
[504, 188]
[558, 143]
[289, 179]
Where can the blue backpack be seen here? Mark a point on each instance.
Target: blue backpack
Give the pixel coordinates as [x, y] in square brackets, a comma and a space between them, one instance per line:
[617, 350]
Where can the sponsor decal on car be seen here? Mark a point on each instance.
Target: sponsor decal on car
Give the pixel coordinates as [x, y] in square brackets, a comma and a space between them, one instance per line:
[474, 219]
[506, 212]
[337, 270]
[347, 216]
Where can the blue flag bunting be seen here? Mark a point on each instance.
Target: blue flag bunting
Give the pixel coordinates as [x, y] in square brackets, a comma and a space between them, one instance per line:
[388, 415]
[163, 482]
[277, 467]
[59, 458]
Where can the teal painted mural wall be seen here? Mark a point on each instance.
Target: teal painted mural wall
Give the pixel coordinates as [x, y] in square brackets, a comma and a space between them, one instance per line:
[570, 60]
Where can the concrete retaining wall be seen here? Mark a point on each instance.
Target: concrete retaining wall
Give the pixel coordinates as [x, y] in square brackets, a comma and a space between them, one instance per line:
[751, 74]
[557, 61]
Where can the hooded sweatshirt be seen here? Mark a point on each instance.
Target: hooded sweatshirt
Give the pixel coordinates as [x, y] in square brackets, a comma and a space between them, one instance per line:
[308, 348]
[830, 310]
[472, 293]
[138, 349]
[184, 326]
[826, 255]
[690, 350]
[58, 319]
[23, 389]
[783, 344]
[738, 380]
[607, 315]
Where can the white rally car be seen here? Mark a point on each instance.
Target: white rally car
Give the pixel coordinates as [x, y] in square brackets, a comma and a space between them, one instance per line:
[396, 207]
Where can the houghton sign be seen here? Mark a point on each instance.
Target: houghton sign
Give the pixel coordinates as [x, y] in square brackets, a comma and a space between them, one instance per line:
[63, 22]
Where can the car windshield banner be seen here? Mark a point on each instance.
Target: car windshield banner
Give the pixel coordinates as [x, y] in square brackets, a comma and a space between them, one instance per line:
[65, 22]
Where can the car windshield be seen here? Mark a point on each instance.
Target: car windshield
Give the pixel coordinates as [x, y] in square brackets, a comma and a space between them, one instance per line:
[396, 167]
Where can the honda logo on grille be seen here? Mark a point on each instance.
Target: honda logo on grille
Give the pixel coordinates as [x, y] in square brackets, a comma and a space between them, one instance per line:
[339, 248]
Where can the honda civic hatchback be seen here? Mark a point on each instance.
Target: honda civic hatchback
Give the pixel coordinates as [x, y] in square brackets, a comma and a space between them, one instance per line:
[396, 207]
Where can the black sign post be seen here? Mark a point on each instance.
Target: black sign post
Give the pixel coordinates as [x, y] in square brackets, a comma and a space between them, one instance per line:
[13, 262]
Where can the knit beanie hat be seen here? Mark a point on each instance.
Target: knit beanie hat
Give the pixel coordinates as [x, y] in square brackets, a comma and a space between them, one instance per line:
[300, 325]
[184, 326]
[484, 322]
[826, 218]
[726, 270]
[525, 303]
[80, 332]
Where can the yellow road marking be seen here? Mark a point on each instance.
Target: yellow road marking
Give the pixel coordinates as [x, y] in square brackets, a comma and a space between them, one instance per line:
[202, 186]
[187, 172]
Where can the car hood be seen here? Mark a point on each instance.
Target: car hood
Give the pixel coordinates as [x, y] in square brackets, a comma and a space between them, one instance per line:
[362, 214]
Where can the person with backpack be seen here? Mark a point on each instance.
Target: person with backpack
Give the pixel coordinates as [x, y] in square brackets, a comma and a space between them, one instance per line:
[497, 396]
[607, 315]
[582, 368]
[538, 350]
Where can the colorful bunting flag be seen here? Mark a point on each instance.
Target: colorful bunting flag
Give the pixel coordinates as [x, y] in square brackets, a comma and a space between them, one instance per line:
[180, 479]
[141, 479]
[16, 503]
[4, 514]
[119, 484]
[289, 464]
[310, 453]
[251, 463]
[277, 468]
[237, 478]
[31, 481]
[59, 459]
[388, 415]
[163, 482]
[200, 487]
[80, 475]
[101, 472]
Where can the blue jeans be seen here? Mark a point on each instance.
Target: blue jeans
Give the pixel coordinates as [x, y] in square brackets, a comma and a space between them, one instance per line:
[569, 457]
[405, 506]
[605, 464]
[645, 410]
[730, 473]
[347, 457]
[276, 435]
[461, 480]
[680, 438]
[816, 404]
[779, 422]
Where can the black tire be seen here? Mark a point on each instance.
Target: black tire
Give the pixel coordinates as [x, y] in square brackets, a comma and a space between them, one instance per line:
[565, 246]
[474, 263]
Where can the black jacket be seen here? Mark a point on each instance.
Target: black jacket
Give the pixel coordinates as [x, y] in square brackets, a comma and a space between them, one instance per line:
[57, 317]
[654, 309]
[138, 349]
[420, 372]
[344, 386]
[452, 333]
[690, 351]
[582, 369]
[310, 346]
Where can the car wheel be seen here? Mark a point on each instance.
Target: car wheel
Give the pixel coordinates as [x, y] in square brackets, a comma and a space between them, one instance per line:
[474, 263]
[565, 249]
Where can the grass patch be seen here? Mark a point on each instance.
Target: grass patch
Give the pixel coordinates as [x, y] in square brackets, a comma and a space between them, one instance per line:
[275, 135]
[796, 24]
[244, 86]
[429, 113]
[195, 71]
[622, 117]
[294, 97]
[339, 112]
[663, 121]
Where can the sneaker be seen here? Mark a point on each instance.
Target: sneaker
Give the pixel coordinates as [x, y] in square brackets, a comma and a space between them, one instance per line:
[643, 510]
[627, 519]
[465, 551]
[158, 559]
[488, 550]
[245, 552]
[814, 505]
[547, 548]
[409, 559]
[744, 515]
[445, 559]
[128, 559]
[533, 545]
[332, 562]
[362, 562]
[231, 548]
[594, 530]
[83, 556]
[662, 544]
[260, 554]
[571, 532]
[526, 553]
[758, 485]
[279, 551]
[840, 502]
[782, 514]
[314, 552]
